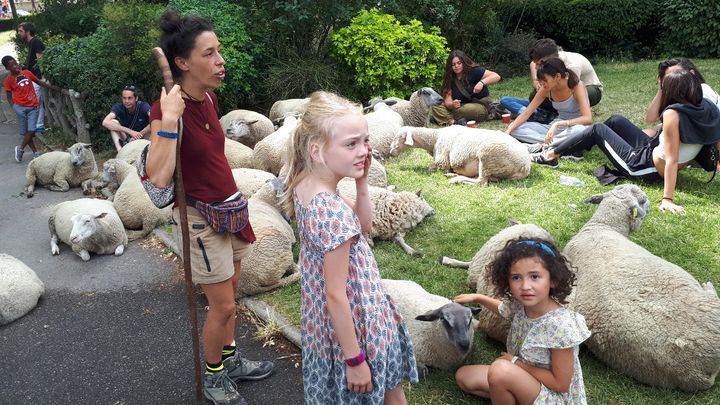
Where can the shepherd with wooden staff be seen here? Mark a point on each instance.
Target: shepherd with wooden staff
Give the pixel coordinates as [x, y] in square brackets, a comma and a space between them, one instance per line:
[217, 217]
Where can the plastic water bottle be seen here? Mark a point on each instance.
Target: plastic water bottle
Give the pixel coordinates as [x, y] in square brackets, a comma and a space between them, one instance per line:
[571, 181]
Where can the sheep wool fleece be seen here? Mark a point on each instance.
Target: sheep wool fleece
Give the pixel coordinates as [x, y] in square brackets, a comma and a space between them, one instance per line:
[326, 223]
[533, 339]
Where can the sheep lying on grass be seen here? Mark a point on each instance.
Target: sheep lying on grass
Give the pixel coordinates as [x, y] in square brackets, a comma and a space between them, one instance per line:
[132, 150]
[270, 154]
[394, 213]
[442, 331]
[292, 107]
[270, 263]
[131, 201]
[249, 181]
[20, 289]
[238, 155]
[61, 170]
[650, 319]
[383, 123]
[245, 126]
[415, 112]
[489, 322]
[87, 225]
[473, 155]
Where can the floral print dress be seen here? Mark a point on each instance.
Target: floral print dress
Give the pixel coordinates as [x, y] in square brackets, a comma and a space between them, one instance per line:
[532, 339]
[326, 223]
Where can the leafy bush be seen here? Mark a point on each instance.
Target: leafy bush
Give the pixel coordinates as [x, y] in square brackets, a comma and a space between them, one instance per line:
[101, 64]
[691, 28]
[298, 76]
[78, 17]
[238, 50]
[389, 58]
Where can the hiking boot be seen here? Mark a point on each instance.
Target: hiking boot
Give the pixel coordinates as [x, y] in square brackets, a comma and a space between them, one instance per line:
[542, 160]
[535, 147]
[18, 154]
[240, 368]
[219, 389]
[576, 156]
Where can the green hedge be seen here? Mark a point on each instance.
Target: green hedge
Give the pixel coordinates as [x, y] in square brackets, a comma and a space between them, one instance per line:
[691, 28]
[389, 58]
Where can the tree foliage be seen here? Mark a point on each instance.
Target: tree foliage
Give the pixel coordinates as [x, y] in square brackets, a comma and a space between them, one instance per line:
[691, 27]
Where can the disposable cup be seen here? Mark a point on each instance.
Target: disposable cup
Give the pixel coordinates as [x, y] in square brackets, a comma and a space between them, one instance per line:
[506, 118]
[471, 124]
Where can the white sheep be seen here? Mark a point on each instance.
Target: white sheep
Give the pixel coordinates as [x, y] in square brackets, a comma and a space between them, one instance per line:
[245, 126]
[382, 123]
[132, 203]
[132, 150]
[489, 322]
[650, 319]
[20, 289]
[87, 225]
[442, 331]
[415, 112]
[238, 155]
[394, 213]
[271, 154]
[292, 107]
[61, 170]
[249, 181]
[473, 155]
[270, 263]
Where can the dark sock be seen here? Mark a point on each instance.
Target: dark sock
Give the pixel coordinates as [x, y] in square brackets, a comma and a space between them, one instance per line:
[214, 368]
[228, 351]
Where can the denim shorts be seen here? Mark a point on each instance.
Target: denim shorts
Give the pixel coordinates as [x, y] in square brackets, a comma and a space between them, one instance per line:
[26, 117]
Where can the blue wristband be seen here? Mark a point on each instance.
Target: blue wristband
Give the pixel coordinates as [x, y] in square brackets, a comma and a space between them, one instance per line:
[165, 134]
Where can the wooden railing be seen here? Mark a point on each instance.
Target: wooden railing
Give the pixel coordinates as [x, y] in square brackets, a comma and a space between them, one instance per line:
[63, 109]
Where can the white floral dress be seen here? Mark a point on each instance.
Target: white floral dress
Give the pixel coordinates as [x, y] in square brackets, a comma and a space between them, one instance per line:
[532, 340]
[326, 223]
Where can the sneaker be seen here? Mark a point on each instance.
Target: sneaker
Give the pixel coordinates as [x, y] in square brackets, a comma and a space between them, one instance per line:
[221, 390]
[240, 368]
[542, 160]
[18, 154]
[461, 121]
[535, 147]
[36, 154]
[576, 156]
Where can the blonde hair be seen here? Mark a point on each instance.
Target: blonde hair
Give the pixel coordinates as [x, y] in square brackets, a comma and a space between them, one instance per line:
[315, 127]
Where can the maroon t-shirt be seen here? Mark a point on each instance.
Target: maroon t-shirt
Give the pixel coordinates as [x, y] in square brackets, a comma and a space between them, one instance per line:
[206, 173]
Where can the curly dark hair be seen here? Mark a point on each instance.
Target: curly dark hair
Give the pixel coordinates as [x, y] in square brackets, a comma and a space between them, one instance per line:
[560, 269]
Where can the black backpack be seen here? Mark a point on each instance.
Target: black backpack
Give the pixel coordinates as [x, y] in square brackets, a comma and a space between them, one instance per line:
[708, 158]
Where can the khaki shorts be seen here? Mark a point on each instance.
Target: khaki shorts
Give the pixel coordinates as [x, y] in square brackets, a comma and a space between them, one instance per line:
[211, 254]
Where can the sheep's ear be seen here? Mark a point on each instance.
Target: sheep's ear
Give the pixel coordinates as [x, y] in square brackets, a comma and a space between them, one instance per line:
[513, 222]
[475, 310]
[86, 145]
[593, 199]
[390, 102]
[429, 316]
[100, 215]
[419, 193]
[251, 122]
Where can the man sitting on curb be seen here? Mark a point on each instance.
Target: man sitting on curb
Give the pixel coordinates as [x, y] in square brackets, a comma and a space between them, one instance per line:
[129, 120]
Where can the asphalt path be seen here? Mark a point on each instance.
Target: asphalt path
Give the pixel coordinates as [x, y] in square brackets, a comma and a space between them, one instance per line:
[114, 330]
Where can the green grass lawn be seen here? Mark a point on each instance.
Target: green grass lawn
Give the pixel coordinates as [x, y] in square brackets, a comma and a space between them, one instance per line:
[467, 216]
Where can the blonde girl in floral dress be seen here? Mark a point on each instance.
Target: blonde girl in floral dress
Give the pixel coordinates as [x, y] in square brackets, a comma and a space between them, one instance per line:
[356, 348]
[541, 365]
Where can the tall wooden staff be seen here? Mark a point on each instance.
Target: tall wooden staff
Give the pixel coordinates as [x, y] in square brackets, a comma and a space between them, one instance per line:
[180, 201]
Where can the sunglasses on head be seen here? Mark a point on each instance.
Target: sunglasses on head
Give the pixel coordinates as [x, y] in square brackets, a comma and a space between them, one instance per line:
[130, 87]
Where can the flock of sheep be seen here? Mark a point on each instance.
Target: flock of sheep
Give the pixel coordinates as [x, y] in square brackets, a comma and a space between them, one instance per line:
[650, 319]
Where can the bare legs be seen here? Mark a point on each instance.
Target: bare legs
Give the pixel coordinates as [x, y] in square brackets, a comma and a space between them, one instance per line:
[502, 382]
[219, 327]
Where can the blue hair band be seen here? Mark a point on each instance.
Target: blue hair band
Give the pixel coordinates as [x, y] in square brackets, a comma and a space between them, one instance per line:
[541, 245]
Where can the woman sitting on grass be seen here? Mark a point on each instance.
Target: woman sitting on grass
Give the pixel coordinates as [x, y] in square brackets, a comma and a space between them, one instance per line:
[465, 93]
[568, 96]
[688, 122]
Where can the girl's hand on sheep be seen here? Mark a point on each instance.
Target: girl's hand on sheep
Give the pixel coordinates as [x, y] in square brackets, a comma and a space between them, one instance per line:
[466, 298]
[359, 378]
[172, 104]
[668, 205]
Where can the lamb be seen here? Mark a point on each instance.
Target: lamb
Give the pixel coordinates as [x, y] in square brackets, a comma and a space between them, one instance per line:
[394, 213]
[61, 170]
[238, 155]
[271, 154]
[292, 107]
[474, 155]
[650, 319]
[382, 123]
[131, 202]
[270, 263]
[415, 112]
[132, 150]
[492, 324]
[245, 126]
[20, 289]
[442, 345]
[87, 225]
[249, 181]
